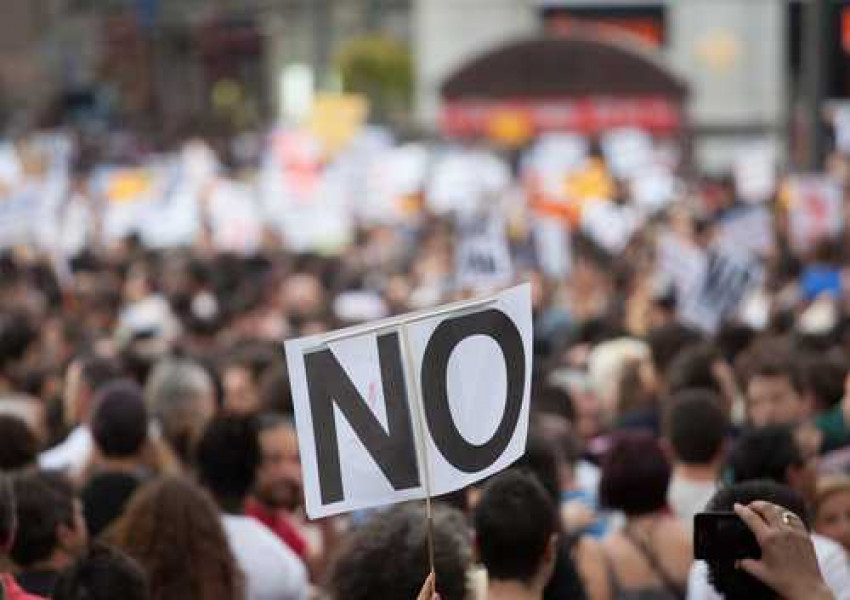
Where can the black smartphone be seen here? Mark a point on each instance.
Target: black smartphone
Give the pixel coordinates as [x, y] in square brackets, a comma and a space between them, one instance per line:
[723, 536]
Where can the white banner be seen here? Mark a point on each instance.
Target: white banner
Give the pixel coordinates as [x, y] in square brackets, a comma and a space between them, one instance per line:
[425, 403]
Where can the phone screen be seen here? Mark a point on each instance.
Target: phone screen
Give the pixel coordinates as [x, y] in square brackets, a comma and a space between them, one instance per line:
[723, 536]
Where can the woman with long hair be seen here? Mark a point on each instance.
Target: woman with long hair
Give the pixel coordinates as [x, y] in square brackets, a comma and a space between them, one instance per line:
[172, 528]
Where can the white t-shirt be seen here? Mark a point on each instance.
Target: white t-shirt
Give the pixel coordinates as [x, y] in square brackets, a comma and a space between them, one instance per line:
[72, 454]
[832, 560]
[272, 571]
[687, 497]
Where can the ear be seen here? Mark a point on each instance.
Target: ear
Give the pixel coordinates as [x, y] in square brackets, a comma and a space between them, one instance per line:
[65, 536]
[550, 552]
[476, 550]
[667, 449]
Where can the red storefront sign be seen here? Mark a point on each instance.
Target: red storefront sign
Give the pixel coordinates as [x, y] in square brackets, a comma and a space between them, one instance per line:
[588, 115]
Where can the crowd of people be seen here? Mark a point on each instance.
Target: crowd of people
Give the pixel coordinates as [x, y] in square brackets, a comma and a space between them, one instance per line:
[148, 446]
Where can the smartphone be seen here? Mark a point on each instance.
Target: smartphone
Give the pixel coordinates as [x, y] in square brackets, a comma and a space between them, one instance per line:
[723, 536]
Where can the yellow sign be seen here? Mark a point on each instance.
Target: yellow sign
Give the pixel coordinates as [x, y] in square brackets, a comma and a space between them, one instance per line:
[510, 127]
[336, 118]
[128, 185]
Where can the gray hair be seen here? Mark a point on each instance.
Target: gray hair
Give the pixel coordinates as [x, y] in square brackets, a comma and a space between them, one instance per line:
[172, 392]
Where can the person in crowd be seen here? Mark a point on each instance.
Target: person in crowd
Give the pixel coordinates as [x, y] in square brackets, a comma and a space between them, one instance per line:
[278, 493]
[51, 531]
[241, 374]
[228, 456]
[103, 573]
[576, 573]
[516, 525]
[9, 588]
[653, 552]
[775, 454]
[695, 430]
[387, 556]
[775, 389]
[788, 568]
[84, 377]
[665, 344]
[834, 424]
[704, 367]
[832, 509]
[180, 397]
[18, 444]
[119, 427]
[190, 558]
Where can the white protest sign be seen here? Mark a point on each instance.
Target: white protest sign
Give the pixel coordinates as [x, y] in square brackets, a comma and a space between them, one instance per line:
[418, 405]
[814, 210]
[20, 211]
[750, 228]
[483, 256]
[466, 181]
[235, 217]
[755, 173]
[610, 225]
[841, 123]
[729, 276]
[627, 151]
[553, 247]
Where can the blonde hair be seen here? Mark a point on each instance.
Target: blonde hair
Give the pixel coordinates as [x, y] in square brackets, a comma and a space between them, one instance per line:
[829, 486]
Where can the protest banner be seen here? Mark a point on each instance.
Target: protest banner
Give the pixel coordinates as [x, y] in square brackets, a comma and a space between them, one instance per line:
[748, 228]
[483, 256]
[727, 278]
[814, 204]
[627, 151]
[414, 406]
[755, 172]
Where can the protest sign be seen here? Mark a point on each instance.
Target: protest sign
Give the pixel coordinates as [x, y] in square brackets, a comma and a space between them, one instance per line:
[748, 228]
[755, 172]
[483, 256]
[814, 210]
[414, 406]
[727, 278]
[466, 181]
[627, 151]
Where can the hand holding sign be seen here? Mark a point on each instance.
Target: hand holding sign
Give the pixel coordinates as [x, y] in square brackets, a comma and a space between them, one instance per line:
[451, 405]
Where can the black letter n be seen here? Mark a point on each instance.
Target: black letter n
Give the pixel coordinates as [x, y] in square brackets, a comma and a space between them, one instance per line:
[393, 451]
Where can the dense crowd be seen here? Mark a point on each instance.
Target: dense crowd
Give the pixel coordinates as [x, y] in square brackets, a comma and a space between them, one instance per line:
[148, 446]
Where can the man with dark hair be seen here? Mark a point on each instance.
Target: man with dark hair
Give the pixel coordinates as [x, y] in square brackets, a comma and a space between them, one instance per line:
[119, 427]
[775, 390]
[9, 588]
[666, 343]
[228, 455]
[51, 530]
[703, 367]
[775, 453]
[102, 574]
[695, 430]
[84, 377]
[278, 489]
[725, 577]
[18, 444]
[516, 527]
